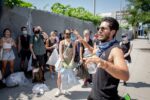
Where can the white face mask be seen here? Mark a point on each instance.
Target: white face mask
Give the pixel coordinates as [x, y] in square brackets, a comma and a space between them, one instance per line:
[24, 32]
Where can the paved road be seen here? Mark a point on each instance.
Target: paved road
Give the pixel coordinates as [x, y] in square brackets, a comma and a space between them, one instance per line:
[138, 85]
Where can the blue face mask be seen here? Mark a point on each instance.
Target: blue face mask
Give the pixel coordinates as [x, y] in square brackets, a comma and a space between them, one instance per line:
[73, 37]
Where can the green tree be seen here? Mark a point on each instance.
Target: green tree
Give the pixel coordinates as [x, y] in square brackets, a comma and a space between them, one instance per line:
[139, 11]
[21, 3]
[79, 12]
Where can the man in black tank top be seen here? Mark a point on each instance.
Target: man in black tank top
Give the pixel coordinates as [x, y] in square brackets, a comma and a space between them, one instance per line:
[108, 56]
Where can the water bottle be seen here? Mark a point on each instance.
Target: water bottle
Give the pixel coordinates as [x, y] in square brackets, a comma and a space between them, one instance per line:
[41, 91]
[91, 68]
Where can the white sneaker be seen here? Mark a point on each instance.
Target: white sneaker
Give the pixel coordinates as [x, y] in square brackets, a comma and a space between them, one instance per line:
[65, 92]
[58, 93]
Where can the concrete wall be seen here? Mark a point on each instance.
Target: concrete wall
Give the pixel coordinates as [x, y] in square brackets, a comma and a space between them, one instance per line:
[17, 17]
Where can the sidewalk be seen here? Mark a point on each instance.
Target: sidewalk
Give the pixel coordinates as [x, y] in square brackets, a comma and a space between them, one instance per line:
[138, 85]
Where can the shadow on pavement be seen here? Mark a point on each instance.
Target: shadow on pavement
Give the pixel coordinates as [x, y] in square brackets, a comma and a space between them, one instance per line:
[16, 93]
[144, 49]
[76, 95]
[138, 84]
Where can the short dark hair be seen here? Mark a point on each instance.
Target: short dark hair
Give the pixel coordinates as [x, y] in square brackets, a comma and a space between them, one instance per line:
[23, 27]
[113, 23]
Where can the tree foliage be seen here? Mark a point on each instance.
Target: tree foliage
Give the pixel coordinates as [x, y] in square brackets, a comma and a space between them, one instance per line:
[79, 12]
[139, 11]
[20, 3]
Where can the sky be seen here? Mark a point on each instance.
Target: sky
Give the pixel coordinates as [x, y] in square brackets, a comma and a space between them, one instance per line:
[102, 6]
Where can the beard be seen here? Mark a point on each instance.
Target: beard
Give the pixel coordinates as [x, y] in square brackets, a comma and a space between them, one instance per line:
[103, 38]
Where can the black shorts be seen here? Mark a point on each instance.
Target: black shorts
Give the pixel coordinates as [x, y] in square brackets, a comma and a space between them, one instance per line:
[25, 54]
[39, 59]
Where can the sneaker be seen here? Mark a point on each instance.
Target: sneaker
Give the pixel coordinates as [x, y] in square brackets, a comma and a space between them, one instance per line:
[65, 92]
[58, 93]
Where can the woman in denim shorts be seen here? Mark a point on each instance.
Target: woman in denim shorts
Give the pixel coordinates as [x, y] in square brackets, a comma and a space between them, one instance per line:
[7, 42]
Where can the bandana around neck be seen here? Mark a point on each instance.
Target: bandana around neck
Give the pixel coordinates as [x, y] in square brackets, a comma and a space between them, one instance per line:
[104, 46]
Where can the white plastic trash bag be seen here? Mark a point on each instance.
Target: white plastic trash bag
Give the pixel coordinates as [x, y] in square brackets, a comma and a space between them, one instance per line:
[40, 88]
[53, 58]
[30, 64]
[68, 79]
[16, 79]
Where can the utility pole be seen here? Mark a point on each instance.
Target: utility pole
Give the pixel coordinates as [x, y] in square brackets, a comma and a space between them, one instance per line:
[121, 15]
[94, 7]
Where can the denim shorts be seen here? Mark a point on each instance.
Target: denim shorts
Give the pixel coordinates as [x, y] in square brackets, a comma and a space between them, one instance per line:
[8, 55]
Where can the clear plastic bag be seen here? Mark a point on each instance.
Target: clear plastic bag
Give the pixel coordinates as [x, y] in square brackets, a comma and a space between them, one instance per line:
[40, 88]
[16, 79]
[58, 65]
[68, 79]
[91, 68]
[53, 58]
[30, 64]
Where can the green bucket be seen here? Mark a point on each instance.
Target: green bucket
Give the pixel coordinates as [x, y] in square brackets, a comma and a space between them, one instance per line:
[127, 97]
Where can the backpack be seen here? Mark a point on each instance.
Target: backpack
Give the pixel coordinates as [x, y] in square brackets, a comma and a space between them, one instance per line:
[38, 74]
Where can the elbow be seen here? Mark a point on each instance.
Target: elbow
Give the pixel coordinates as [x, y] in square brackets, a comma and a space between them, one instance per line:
[126, 76]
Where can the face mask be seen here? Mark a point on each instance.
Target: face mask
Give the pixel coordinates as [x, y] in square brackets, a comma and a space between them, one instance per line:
[125, 39]
[37, 32]
[24, 32]
[73, 38]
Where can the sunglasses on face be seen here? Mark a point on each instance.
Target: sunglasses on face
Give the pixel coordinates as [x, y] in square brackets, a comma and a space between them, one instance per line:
[102, 28]
[67, 34]
[124, 36]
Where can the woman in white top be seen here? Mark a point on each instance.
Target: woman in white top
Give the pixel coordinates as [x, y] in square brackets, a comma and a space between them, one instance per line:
[8, 55]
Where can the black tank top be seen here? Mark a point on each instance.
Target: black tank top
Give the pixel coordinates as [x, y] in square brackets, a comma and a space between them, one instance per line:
[25, 41]
[125, 49]
[51, 44]
[104, 85]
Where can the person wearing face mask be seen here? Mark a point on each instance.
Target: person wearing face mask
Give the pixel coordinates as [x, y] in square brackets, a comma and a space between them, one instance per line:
[127, 48]
[23, 48]
[65, 74]
[38, 51]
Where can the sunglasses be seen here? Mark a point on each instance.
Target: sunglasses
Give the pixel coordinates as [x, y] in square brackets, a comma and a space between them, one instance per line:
[101, 28]
[67, 33]
[124, 36]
